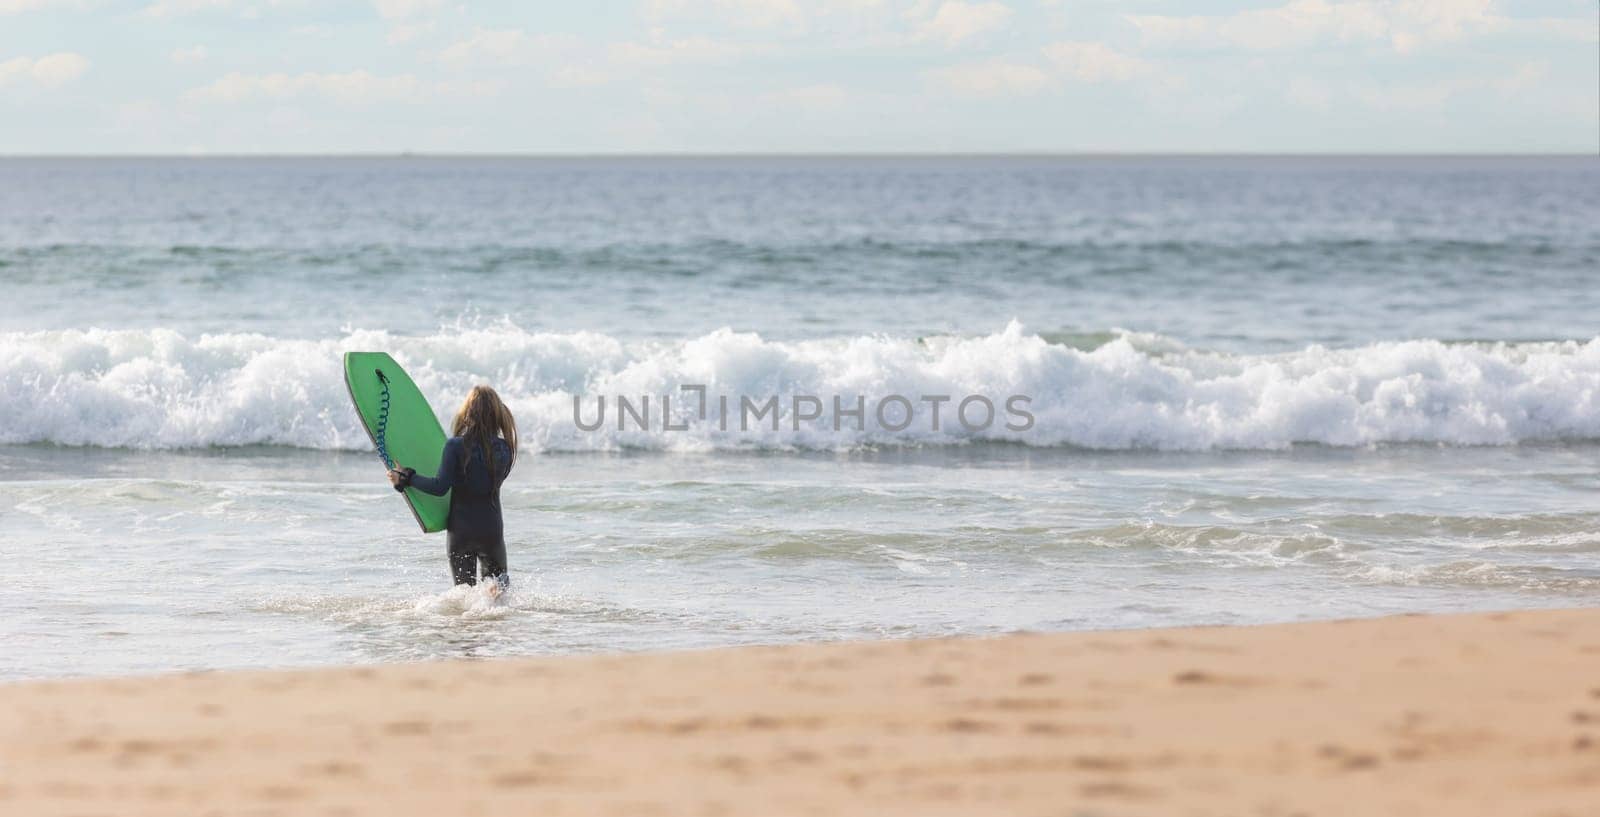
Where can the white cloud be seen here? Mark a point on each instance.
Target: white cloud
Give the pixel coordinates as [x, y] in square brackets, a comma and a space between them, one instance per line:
[696, 50]
[745, 13]
[809, 97]
[406, 32]
[792, 15]
[50, 71]
[246, 9]
[506, 46]
[1079, 61]
[564, 59]
[354, 87]
[1434, 94]
[567, 61]
[405, 9]
[991, 78]
[1095, 62]
[577, 76]
[19, 6]
[408, 18]
[179, 8]
[956, 21]
[1400, 24]
[1582, 30]
[184, 56]
[1414, 96]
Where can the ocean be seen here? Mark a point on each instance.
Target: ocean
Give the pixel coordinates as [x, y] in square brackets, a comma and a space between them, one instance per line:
[964, 396]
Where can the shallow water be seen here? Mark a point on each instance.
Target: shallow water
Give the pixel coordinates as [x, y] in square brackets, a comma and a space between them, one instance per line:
[1262, 390]
[279, 556]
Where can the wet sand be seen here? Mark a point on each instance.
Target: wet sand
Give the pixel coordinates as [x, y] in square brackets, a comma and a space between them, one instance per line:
[1488, 714]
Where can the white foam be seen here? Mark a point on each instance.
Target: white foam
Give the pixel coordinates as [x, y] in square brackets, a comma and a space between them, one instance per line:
[162, 389]
[466, 601]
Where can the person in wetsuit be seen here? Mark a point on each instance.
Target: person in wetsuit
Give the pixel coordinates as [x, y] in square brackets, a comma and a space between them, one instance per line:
[477, 458]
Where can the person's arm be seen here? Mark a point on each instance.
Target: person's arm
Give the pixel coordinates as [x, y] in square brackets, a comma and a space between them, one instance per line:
[449, 466]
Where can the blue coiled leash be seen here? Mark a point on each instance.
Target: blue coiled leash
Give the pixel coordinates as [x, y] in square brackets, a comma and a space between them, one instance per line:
[383, 421]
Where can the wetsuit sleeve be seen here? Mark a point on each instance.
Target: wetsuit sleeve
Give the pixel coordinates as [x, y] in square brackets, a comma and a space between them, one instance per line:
[449, 466]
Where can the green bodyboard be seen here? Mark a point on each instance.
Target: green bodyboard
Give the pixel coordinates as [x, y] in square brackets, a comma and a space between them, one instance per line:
[411, 432]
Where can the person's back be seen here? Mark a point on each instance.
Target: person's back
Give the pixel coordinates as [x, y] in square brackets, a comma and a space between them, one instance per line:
[475, 492]
[474, 464]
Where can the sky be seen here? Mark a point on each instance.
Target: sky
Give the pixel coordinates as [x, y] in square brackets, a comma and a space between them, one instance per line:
[788, 76]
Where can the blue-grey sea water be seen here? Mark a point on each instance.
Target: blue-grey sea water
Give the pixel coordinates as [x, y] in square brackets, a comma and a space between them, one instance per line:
[1255, 389]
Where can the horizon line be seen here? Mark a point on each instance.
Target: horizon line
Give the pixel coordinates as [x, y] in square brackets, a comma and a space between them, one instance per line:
[825, 155]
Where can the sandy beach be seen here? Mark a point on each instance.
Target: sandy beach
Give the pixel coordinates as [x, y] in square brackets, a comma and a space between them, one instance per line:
[1492, 714]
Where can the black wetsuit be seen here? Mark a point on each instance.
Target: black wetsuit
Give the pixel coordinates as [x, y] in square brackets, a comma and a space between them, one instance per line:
[476, 529]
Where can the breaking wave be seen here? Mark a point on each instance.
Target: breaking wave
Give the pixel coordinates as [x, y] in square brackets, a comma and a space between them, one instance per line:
[163, 389]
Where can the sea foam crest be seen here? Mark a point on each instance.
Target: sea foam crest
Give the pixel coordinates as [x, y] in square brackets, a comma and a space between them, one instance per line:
[162, 389]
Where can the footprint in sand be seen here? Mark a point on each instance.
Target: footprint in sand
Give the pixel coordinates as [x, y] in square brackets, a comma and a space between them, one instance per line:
[1113, 788]
[87, 745]
[1199, 677]
[970, 725]
[518, 779]
[407, 728]
[337, 768]
[1347, 759]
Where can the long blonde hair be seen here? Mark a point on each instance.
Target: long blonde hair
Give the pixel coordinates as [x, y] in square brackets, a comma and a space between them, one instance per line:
[483, 417]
